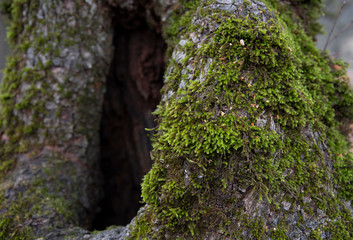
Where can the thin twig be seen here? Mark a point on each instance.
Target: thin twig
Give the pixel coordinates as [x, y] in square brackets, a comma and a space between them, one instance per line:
[342, 31]
[334, 25]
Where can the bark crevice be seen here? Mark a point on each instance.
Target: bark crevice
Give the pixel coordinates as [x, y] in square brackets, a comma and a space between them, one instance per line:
[133, 92]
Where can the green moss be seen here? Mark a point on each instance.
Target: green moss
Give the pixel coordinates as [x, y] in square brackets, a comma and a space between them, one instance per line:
[304, 13]
[25, 89]
[39, 201]
[315, 235]
[280, 231]
[15, 76]
[209, 134]
[341, 229]
[178, 22]
[9, 222]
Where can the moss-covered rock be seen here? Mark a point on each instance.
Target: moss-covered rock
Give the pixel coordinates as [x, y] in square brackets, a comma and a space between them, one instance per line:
[249, 143]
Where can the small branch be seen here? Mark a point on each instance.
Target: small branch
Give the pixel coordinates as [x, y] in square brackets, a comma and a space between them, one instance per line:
[334, 25]
[342, 31]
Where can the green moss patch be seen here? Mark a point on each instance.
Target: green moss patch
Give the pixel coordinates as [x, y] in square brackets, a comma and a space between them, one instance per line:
[255, 104]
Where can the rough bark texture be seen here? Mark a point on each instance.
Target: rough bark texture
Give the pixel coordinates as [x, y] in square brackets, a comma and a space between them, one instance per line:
[51, 100]
[4, 48]
[52, 103]
[248, 144]
[248, 131]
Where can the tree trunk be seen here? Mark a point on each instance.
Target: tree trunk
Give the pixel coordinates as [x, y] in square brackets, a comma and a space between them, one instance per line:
[251, 136]
[51, 100]
[4, 48]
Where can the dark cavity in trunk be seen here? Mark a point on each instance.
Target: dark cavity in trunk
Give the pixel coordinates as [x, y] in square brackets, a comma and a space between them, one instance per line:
[133, 92]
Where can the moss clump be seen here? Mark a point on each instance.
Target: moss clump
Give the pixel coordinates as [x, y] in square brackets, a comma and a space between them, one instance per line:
[255, 104]
[304, 13]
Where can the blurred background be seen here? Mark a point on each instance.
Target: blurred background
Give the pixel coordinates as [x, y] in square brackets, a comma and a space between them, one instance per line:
[342, 46]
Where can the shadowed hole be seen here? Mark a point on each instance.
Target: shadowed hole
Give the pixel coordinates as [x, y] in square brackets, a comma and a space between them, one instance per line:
[133, 92]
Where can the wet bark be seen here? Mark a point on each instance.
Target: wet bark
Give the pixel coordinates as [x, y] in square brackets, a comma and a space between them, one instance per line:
[77, 95]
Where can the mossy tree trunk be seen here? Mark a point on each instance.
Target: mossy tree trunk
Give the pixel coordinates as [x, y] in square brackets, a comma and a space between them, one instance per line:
[51, 99]
[250, 139]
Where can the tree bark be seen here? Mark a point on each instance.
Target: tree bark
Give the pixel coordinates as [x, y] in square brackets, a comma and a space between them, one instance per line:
[249, 144]
[51, 101]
